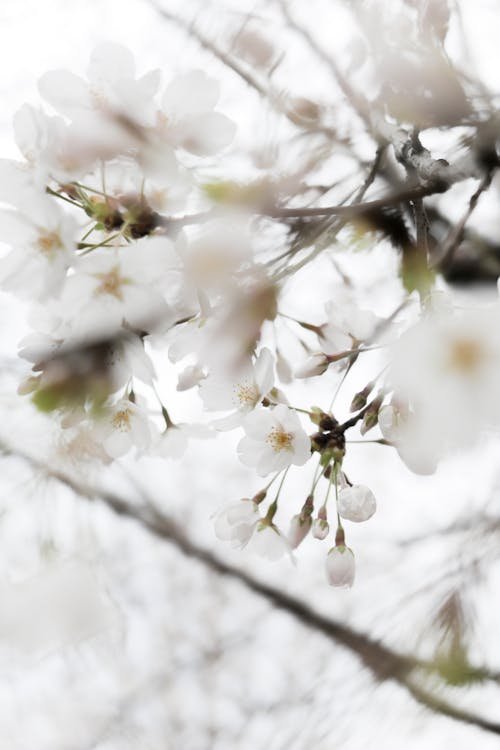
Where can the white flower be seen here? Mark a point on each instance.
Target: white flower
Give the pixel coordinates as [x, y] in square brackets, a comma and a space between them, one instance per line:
[274, 440]
[267, 541]
[340, 567]
[242, 525]
[113, 286]
[417, 448]
[212, 260]
[346, 323]
[67, 151]
[174, 441]
[356, 503]
[42, 240]
[124, 426]
[188, 120]
[236, 523]
[243, 393]
[112, 87]
[446, 368]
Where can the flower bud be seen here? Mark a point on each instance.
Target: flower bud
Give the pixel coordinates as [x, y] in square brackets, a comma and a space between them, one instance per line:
[360, 398]
[320, 528]
[370, 418]
[299, 528]
[340, 567]
[356, 503]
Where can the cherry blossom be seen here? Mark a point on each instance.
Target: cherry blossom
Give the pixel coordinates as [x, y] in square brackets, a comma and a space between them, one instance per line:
[237, 522]
[112, 87]
[125, 425]
[42, 241]
[251, 384]
[346, 323]
[267, 541]
[274, 440]
[112, 286]
[173, 442]
[187, 117]
[446, 369]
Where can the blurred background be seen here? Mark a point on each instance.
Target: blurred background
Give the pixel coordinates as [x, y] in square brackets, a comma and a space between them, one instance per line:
[113, 639]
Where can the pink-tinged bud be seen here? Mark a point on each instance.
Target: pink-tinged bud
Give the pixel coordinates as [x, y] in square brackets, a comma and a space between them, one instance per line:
[320, 528]
[299, 529]
[340, 567]
[315, 365]
[356, 503]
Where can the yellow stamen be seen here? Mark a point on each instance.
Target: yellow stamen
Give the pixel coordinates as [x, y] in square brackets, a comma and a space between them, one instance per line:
[111, 283]
[465, 355]
[121, 420]
[280, 440]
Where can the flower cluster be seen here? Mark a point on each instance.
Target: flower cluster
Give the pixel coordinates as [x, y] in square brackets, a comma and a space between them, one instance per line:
[128, 255]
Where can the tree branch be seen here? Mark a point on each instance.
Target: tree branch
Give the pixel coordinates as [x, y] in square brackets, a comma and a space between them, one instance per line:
[382, 662]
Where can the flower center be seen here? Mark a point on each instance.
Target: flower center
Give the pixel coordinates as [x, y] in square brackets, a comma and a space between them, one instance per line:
[465, 355]
[247, 394]
[121, 420]
[280, 440]
[48, 243]
[111, 283]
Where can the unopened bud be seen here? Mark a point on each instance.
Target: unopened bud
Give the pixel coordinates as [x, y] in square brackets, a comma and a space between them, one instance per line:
[360, 399]
[259, 497]
[370, 419]
[340, 567]
[299, 528]
[320, 528]
[356, 503]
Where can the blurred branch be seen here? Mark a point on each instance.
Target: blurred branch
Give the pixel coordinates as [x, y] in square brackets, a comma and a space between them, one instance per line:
[382, 662]
[275, 99]
[456, 235]
[359, 103]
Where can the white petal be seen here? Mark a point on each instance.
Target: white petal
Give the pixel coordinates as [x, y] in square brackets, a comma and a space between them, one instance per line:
[67, 92]
[190, 94]
[117, 444]
[205, 134]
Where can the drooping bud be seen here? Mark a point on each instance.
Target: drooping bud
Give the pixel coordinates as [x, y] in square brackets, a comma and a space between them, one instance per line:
[320, 528]
[356, 503]
[299, 528]
[301, 523]
[340, 567]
